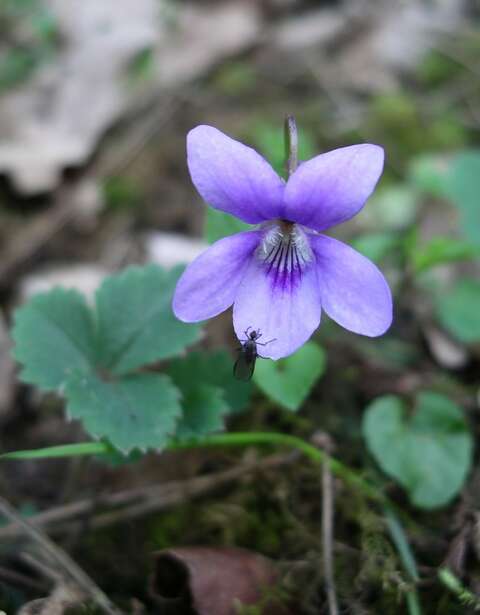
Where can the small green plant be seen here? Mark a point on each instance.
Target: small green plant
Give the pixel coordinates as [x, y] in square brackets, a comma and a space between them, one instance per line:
[96, 357]
[429, 453]
[126, 369]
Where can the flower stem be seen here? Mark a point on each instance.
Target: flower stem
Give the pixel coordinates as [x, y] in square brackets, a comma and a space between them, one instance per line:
[318, 456]
[291, 144]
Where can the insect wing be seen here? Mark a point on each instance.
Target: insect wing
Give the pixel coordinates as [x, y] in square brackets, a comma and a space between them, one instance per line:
[244, 366]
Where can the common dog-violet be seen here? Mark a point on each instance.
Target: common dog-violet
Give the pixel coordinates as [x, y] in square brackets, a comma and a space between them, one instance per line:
[280, 275]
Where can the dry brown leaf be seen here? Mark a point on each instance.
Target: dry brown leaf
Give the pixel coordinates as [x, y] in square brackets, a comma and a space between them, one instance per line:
[56, 119]
[215, 581]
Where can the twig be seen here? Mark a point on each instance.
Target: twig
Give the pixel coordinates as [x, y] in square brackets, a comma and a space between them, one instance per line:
[139, 501]
[58, 556]
[16, 578]
[327, 534]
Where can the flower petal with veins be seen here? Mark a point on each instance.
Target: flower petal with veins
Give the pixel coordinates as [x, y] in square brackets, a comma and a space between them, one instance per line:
[279, 277]
[354, 291]
[233, 177]
[333, 187]
[288, 316]
[209, 285]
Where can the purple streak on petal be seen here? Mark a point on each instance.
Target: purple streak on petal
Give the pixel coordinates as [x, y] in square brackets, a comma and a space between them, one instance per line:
[333, 187]
[290, 315]
[209, 284]
[233, 177]
[354, 292]
[284, 251]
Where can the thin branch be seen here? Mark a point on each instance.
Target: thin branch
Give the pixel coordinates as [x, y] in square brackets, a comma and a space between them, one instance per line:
[133, 503]
[328, 504]
[16, 578]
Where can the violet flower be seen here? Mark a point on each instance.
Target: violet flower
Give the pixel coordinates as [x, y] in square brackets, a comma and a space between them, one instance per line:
[280, 275]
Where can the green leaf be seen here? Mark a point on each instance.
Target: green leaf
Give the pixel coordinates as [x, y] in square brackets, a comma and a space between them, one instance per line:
[54, 336]
[136, 325]
[289, 381]
[203, 410]
[428, 173]
[464, 189]
[376, 246]
[138, 411]
[440, 251]
[458, 310]
[218, 224]
[429, 453]
[215, 369]
[203, 404]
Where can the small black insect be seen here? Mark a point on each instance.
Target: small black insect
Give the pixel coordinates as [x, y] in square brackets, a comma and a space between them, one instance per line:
[245, 364]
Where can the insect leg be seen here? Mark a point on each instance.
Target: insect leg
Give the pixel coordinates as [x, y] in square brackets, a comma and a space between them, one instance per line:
[265, 343]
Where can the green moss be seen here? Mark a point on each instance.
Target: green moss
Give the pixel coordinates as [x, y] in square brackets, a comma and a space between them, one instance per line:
[396, 121]
[168, 529]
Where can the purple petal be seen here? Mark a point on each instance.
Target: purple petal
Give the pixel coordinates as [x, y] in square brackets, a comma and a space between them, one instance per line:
[287, 315]
[354, 292]
[209, 284]
[232, 177]
[333, 187]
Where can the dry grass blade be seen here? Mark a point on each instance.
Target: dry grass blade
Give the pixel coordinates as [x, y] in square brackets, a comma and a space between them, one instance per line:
[56, 555]
[133, 503]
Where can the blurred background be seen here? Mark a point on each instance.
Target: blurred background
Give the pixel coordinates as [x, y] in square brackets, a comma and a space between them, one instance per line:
[96, 98]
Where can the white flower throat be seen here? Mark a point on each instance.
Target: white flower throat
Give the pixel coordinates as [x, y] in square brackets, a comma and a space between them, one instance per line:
[285, 252]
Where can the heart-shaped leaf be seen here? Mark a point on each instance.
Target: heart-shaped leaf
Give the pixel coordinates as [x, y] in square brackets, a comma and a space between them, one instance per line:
[289, 381]
[429, 453]
[203, 410]
[213, 369]
[200, 378]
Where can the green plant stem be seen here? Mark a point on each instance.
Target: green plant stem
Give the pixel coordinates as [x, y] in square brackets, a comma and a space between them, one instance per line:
[453, 583]
[413, 603]
[291, 145]
[316, 455]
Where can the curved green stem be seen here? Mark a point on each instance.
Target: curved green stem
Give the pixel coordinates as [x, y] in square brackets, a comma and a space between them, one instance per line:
[312, 452]
[229, 439]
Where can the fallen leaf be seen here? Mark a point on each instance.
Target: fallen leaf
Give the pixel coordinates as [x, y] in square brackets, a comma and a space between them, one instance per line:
[215, 581]
[57, 117]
